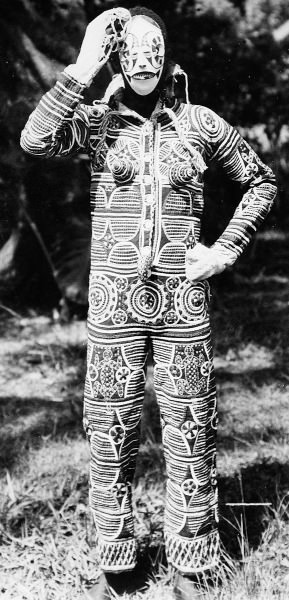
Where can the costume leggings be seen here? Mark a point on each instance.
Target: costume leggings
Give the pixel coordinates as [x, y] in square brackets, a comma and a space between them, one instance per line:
[185, 390]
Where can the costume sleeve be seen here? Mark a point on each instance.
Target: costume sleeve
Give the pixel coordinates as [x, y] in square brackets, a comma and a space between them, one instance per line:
[241, 164]
[59, 125]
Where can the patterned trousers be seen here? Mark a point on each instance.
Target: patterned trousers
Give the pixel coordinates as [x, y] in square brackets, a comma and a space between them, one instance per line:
[185, 390]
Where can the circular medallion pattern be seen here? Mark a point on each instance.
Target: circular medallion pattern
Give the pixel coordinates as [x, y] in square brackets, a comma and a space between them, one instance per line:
[251, 169]
[189, 487]
[189, 429]
[119, 317]
[146, 302]
[121, 283]
[122, 374]
[190, 302]
[117, 434]
[172, 283]
[102, 298]
[175, 371]
[119, 490]
[205, 368]
[211, 124]
[171, 317]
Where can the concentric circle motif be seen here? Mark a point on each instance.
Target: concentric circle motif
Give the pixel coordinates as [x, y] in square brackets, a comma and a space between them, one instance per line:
[181, 174]
[211, 124]
[190, 300]
[102, 298]
[146, 302]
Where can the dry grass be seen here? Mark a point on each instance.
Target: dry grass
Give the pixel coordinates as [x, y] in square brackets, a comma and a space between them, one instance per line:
[47, 549]
[47, 536]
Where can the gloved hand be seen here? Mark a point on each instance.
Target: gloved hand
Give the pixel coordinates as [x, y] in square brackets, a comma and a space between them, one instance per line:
[203, 262]
[101, 36]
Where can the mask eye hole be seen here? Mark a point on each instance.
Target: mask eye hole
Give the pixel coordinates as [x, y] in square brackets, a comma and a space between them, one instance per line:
[155, 43]
[128, 54]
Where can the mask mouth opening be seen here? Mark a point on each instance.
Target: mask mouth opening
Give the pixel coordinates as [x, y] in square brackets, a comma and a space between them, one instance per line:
[143, 75]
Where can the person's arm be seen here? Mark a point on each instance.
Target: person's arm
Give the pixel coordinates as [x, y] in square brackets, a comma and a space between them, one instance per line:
[241, 164]
[60, 123]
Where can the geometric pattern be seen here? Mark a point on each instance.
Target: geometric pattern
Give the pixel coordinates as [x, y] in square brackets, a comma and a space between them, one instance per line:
[114, 394]
[192, 556]
[146, 211]
[119, 556]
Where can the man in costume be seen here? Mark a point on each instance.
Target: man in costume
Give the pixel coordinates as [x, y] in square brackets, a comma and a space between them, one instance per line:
[148, 281]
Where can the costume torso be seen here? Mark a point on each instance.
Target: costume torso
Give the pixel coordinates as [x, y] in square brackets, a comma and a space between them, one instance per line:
[147, 198]
[146, 193]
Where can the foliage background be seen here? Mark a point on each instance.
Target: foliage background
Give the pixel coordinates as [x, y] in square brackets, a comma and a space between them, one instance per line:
[47, 541]
[234, 66]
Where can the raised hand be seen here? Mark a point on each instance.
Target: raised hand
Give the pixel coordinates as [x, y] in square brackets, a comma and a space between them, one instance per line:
[102, 35]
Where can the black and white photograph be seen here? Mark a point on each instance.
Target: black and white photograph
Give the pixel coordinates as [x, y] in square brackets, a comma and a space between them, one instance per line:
[144, 300]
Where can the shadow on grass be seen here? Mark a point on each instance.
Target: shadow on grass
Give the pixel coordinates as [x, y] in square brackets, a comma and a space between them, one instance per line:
[241, 527]
[264, 482]
[261, 483]
[24, 423]
[252, 377]
[251, 437]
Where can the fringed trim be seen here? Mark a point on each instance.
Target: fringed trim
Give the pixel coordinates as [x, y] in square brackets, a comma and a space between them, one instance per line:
[116, 84]
[103, 132]
[199, 162]
[175, 72]
[119, 555]
[193, 555]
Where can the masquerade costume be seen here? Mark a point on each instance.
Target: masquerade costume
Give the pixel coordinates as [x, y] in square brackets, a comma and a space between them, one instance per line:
[146, 211]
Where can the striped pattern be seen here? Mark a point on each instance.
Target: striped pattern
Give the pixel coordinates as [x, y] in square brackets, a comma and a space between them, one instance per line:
[146, 210]
[185, 389]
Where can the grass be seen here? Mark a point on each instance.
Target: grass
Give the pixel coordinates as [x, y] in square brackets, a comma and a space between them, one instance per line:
[47, 548]
[47, 539]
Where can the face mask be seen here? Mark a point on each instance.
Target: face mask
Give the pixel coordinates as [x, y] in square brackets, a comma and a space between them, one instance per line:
[142, 55]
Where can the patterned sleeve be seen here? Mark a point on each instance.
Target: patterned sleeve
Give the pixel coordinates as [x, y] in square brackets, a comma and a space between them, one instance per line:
[59, 125]
[241, 164]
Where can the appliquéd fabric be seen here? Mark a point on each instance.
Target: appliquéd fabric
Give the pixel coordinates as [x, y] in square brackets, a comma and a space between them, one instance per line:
[147, 179]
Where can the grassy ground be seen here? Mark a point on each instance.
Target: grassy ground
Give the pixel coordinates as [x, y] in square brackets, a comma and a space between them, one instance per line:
[47, 537]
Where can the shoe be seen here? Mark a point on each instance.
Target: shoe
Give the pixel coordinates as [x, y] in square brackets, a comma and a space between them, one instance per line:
[111, 584]
[190, 587]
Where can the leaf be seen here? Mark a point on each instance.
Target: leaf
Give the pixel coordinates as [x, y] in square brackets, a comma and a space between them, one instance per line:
[7, 252]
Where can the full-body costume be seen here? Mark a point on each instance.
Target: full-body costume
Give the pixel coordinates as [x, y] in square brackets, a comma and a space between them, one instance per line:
[146, 212]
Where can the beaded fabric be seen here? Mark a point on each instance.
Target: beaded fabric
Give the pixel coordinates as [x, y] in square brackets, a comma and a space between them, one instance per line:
[147, 179]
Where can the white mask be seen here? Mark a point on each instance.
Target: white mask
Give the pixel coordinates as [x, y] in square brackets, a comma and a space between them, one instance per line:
[142, 55]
